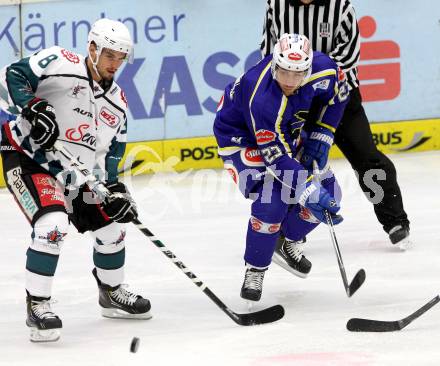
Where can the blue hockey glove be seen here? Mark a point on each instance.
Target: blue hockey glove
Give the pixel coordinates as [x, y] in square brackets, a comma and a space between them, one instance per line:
[317, 199]
[119, 206]
[41, 115]
[317, 147]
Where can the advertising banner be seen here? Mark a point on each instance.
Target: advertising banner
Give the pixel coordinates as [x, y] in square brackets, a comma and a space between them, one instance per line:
[187, 51]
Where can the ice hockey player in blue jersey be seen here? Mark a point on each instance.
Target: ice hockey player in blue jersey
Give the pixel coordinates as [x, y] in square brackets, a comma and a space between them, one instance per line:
[278, 165]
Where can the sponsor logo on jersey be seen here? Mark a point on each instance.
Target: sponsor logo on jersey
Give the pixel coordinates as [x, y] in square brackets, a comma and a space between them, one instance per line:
[21, 192]
[294, 56]
[236, 140]
[251, 157]
[48, 191]
[78, 134]
[7, 148]
[274, 228]
[306, 215]
[82, 112]
[265, 136]
[70, 56]
[323, 84]
[108, 117]
[44, 180]
[114, 90]
[78, 89]
[256, 224]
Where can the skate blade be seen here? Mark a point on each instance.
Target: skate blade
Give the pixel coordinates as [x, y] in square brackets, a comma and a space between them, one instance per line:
[44, 335]
[405, 244]
[120, 314]
[250, 304]
[279, 261]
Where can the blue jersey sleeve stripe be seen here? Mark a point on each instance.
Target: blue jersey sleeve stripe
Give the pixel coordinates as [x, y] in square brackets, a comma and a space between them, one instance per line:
[278, 124]
[260, 78]
[321, 74]
[228, 150]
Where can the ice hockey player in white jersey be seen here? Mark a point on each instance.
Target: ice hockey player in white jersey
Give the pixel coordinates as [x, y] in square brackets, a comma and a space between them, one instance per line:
[60, 96]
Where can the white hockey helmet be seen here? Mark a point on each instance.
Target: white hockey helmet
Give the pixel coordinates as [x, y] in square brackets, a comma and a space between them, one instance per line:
[111, 34]
[292, 52]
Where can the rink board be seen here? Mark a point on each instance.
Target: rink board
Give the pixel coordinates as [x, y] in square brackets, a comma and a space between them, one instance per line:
[201, 152]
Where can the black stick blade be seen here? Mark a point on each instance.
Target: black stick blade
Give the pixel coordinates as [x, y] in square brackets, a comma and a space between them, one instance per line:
[357, 282]
[368, 325]
[268, 315]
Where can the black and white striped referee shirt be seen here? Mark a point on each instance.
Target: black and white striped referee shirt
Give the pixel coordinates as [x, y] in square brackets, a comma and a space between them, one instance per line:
[330, 25]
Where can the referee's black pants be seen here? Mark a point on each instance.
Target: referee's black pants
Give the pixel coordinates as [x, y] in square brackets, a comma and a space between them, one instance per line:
[354, 138]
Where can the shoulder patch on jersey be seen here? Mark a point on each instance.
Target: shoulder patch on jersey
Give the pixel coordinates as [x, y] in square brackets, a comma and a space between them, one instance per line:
[323, 84]
[265, 136]
[70, 56]
[108, 117]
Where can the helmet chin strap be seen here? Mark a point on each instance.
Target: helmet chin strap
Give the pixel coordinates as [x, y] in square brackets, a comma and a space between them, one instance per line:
[95, 63]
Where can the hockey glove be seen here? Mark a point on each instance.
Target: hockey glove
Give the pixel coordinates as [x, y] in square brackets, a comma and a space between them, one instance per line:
[317, 147]
[41, 115]
[119, 206]
[317, 199]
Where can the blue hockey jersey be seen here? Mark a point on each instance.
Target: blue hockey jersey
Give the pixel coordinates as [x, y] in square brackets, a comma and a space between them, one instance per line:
[254, 112]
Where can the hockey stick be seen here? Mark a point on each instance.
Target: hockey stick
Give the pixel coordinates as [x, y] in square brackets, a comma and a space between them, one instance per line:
[267, 315]
[359, 278]
[368, 325]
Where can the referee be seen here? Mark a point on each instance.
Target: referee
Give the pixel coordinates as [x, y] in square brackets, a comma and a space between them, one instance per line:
[332, 28]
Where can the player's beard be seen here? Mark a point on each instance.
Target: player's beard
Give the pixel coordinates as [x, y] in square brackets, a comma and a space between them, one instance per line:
[104, 74]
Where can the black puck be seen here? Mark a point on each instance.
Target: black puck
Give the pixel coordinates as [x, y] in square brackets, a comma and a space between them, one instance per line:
[134, 344]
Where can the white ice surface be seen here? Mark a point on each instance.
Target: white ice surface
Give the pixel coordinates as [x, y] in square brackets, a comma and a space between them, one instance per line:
[203, 221]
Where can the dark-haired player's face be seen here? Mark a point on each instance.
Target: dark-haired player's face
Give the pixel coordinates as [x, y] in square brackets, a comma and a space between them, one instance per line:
[109, 62]
[306, 2]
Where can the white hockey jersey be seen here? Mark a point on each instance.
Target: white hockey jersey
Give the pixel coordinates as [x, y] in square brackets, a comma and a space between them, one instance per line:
[92, 121]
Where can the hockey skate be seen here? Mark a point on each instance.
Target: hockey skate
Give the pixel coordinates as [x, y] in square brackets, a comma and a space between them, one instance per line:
[117, 302]
[399, 236]
[253, 283]
[44, 324]
[289, 255]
